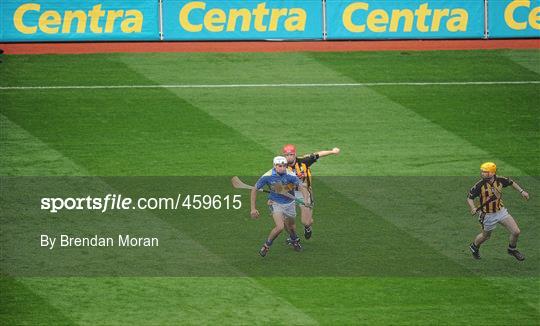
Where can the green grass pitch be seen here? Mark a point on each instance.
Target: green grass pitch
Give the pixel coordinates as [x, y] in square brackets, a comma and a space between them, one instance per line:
[391, 223]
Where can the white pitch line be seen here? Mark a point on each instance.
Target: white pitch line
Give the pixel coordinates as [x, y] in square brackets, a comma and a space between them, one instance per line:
[273, 85]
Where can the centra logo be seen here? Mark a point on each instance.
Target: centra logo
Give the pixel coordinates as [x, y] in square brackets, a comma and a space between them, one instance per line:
[533, 17]
[422, 19]
[54, 22]
[219, 20]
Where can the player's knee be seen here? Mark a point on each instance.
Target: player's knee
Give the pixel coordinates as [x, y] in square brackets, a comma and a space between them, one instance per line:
[487, 235]
[279, 228]
[516, 232]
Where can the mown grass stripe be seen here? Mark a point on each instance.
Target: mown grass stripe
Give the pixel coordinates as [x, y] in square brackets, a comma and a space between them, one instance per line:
[524, 82]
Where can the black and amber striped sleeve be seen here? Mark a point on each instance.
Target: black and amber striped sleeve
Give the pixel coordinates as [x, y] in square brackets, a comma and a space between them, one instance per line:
[309, 159]
[475, 190]
[504, 181]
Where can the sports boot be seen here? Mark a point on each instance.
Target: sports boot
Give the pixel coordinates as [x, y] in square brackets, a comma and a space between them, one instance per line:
[475, 251]
[296, 245]
[264, 250]
[307, 232]
[514, 252]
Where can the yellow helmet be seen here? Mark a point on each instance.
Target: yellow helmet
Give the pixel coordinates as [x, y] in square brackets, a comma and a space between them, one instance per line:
[488, 167]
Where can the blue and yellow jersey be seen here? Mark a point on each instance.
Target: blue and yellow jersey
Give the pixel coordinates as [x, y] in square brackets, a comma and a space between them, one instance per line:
[279, 183]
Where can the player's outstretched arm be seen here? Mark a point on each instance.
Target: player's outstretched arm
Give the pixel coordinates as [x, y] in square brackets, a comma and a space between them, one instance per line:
[333, 151]
[522, 191]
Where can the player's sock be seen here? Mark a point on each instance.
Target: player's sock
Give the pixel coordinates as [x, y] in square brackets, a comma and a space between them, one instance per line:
[269, 242]
[511, 247]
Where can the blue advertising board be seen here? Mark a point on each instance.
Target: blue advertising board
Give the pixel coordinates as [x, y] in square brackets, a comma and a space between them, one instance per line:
[376, 19]
[129, 20]
[242, 20]
[513, 18]
[78, 20]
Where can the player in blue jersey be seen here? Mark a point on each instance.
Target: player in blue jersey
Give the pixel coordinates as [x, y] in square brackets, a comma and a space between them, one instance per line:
[279, 182]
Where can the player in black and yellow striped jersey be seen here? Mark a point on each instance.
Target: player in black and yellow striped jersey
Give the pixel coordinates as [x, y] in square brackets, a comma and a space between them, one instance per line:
[489, 193]
[491, 209]
[301, 167]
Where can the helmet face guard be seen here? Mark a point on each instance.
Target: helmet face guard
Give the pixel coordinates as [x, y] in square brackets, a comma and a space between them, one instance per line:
[280, 160]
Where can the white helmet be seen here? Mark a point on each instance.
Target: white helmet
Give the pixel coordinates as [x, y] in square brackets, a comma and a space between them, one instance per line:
[280, 160]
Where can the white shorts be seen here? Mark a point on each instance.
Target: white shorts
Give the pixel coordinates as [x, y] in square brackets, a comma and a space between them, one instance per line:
[491, 219]
[288, 210]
